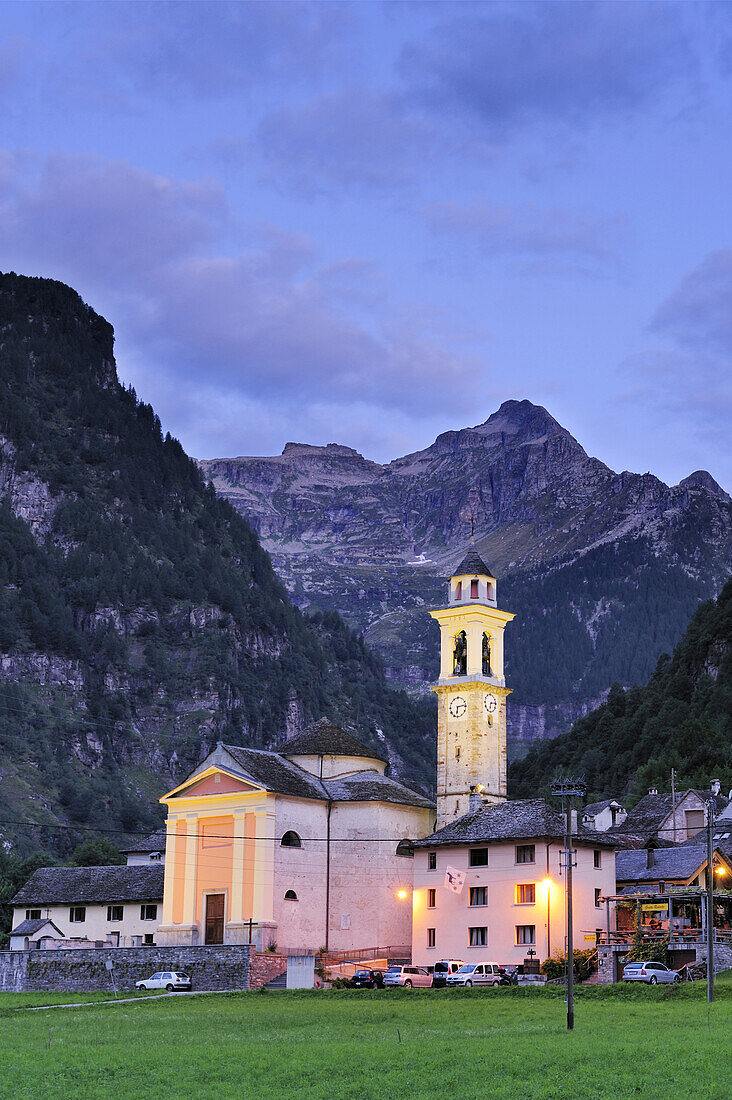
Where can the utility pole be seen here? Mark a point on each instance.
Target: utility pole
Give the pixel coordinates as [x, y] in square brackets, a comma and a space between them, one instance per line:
[710, 902]
[673, 799]
[567, 789]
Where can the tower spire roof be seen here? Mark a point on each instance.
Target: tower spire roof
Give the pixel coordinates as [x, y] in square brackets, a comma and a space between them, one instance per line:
[473, 563]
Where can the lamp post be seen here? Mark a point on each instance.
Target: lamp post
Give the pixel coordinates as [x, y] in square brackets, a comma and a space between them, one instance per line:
[567, 789]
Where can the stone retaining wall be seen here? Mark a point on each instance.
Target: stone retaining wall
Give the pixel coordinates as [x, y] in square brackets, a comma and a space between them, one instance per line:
[225, 967]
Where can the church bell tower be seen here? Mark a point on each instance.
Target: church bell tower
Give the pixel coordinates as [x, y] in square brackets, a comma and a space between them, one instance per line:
[471, 692]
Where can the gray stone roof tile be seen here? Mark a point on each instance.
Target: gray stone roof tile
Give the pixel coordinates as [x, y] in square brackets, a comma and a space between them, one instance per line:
[472, 563]
[29, 927]
[91, 885]
[325, 738]
[680, 862]
[522, 819]
[372, 786]
[153, 843]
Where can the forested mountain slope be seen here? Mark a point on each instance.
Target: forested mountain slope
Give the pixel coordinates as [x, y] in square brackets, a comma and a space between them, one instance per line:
[603, 570]
[140, 619]
[681, 719]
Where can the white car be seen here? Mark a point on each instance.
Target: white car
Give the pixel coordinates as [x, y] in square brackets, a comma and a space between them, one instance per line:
[172, 980]
[407, 976]
[649, 972]
[476, 974]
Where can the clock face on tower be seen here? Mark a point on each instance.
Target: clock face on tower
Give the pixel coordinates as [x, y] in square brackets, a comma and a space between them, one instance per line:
[490, 703]
[458, 706]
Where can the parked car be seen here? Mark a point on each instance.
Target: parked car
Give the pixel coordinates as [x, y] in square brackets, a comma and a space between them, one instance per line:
[442, 969]
[366, 978]
[649, 972]
[172, 980]
[488, 973]
[407, 976]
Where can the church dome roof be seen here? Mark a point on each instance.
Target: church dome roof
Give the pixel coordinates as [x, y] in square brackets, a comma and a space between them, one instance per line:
[324, 738]
[474, 564]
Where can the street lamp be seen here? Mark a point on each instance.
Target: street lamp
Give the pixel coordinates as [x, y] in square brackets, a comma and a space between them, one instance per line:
[567, 789]
[401, 894]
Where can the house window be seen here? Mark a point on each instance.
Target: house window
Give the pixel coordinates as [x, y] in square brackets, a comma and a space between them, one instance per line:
[432, 861]
[526, 853]
[526, 893]
[598, 898]
[431, 898]
[290, 895]
[148, 912]
[149, 939]
[478, 857]
[77, 914]
[525, 933]
[474, 590]
[478, 937]
[597, 856]
[478, 895]
[430, 937]
[33, 914]
[404, 848]
[115, 912]
[459, 590]
[291, 840]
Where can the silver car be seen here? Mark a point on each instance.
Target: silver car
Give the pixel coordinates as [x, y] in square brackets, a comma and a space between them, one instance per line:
[407, 976]
[476, 974]
[649, 972]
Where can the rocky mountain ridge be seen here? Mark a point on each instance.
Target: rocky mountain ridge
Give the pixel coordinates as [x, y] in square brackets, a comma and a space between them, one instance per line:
[140, 619]
[584, 555]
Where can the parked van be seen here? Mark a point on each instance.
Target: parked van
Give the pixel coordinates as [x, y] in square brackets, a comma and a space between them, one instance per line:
[485, 973]
[442, 970]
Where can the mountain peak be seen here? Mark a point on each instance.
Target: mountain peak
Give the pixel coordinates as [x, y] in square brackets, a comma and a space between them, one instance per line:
[701, 479]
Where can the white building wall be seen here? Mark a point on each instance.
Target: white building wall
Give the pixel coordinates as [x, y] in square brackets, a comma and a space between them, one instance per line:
[95, 926]
[453, 915]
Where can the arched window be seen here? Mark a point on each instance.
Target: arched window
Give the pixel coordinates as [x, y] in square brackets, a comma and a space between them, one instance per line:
[290, 896]
[460, 655]
[404, 848]
[291, 840]
[486, 654]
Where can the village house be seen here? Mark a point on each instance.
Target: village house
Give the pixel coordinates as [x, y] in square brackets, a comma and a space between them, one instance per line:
[491, 885]
[88, 907]
[660, 869]
[306, 848]
[604, 815]
[661, 818]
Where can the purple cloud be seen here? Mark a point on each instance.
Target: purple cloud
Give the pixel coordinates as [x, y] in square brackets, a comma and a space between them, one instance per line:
[531, 232]
[698, 314]
[516, 65]
[348, 137]
[266, 321]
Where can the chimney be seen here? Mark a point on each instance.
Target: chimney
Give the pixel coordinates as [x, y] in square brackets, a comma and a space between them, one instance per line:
[650, 857]
[475, 802]
[715, 787]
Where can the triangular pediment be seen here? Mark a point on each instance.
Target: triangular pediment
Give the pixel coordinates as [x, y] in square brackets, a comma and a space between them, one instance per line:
[214, 782]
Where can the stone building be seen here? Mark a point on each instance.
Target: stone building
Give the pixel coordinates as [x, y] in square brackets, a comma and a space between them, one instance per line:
[305, 848]
[88, 906]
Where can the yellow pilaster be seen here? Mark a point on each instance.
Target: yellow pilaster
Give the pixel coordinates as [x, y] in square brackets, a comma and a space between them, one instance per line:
[191, 870]
[169, 878]
[263, 900]
[237, 870]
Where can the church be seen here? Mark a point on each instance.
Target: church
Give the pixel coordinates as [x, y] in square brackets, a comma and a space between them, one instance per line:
[307, 848]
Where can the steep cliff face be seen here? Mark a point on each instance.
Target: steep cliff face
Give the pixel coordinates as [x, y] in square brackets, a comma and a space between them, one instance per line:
[140, 619]
[602, 569]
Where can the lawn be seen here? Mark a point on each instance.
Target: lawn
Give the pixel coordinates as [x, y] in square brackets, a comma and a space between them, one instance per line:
[361, 1044]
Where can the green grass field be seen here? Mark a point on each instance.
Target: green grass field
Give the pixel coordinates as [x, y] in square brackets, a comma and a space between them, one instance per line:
[362, 1044]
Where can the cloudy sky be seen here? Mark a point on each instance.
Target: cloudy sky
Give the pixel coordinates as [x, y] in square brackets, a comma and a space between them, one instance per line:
[369, 223]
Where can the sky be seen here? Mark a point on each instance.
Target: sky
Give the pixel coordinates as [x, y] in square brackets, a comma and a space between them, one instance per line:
[368, 223]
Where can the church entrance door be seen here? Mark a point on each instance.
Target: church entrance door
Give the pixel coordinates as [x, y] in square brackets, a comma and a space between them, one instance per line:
[214, 918]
